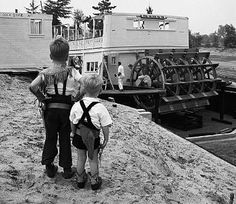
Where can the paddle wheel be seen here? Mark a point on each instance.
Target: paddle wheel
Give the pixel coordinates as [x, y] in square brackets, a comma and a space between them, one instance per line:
[189, 78]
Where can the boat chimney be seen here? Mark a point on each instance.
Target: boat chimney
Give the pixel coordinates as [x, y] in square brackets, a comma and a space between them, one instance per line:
[16, 10]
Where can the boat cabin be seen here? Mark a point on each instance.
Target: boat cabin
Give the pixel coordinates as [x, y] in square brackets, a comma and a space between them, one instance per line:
[24, 40]
[110, 38]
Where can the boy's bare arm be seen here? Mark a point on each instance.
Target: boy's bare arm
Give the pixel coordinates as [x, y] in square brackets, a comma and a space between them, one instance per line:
[35, 88]
[105, 131]
[73, 129]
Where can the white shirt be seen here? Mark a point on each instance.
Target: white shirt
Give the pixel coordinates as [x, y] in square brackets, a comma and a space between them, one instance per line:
[121, 70]
[145, 79]
[100, 116]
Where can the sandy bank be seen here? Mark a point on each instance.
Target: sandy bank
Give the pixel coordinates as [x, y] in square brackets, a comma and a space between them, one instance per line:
[143, 162]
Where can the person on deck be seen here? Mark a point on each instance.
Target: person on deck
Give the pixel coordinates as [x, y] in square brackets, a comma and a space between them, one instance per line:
[55, 88]
[120, 76]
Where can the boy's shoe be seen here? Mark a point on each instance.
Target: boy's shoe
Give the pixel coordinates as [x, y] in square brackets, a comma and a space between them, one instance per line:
[51, 170]
[96, 182]
[68, 173]
[81, 179]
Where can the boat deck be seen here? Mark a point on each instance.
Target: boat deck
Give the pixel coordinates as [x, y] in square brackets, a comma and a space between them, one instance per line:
[132, 92]
[209, 126]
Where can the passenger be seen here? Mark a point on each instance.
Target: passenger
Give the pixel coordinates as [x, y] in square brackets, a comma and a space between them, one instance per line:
[55, 88]
[87, 117]
[144, 79]
[74, 62]
[120, 75]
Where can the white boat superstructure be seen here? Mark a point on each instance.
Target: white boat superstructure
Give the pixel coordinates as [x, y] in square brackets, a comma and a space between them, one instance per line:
[122, 37]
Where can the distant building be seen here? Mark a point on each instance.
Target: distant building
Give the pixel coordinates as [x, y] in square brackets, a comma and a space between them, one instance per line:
[24, 40]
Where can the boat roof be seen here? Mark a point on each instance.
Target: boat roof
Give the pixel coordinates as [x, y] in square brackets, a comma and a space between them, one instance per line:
[142, 15]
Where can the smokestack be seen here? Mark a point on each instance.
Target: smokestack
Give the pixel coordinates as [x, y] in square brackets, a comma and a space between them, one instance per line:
[16, 10]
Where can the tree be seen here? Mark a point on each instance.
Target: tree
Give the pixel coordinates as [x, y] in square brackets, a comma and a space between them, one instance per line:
[214, 39]
[205, 42]
[221, 34]
[57, 8]
[195, 40]
[32, 8]
[227, 36]
[230, 36]
[79, 18]
[149, 10]
[104, 7]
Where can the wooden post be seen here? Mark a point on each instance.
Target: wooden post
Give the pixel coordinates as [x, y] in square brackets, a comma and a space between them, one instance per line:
[93, 28]
[156, 109]
[68, 31]
[108, 74]
[222, 107]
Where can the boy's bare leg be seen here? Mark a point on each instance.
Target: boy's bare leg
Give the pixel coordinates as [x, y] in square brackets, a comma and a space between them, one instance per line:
[93, 163]
[81, 159]
[81, 174]
[96, 180]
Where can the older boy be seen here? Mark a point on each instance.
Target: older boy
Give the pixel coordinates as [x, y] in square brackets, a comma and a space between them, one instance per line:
[87, 117]
[54, 88]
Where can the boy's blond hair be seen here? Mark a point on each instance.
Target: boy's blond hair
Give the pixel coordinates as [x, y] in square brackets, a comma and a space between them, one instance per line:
[92, 84]
[59, 49]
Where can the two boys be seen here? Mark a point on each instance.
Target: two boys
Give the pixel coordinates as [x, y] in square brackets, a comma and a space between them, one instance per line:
[55, 88]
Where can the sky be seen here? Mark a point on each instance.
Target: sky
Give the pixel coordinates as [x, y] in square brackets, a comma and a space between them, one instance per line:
[205, 16]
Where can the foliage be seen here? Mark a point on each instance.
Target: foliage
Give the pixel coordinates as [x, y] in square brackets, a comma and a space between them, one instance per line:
[214, 39]
[98, 24]
[225, 37]
[194, 40]
[32, 8]
[149, 10]
[230, 36]
[79, 18]
[104, 7]
[57, 8]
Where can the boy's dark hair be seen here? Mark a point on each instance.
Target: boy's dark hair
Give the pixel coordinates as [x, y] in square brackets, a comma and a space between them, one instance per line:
[59, 49]
[119, 63]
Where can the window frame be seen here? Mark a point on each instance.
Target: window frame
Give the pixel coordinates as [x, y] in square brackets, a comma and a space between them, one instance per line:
[92, 67]
[36, 27]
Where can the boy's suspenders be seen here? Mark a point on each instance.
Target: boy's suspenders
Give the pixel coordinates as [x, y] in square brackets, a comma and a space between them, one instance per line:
[64, 87]
[87, 130]
[89, 123]
[60, 101]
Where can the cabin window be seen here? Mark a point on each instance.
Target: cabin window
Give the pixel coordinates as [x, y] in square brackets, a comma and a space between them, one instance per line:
[135, 24]
[96, 66]
[161, 25]
[141, 24]
[113, 60]
[167, 26]
[138, 24]
[88, 66]
[35, 26]
[92, 66]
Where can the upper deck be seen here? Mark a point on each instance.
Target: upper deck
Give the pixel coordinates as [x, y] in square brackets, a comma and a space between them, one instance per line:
[129, 31]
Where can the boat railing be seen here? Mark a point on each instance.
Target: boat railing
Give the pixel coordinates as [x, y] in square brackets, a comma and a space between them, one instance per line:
[86, 43]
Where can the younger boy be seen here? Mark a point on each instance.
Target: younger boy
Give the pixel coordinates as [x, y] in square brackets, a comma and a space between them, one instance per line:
[54, 88]
[87, 117]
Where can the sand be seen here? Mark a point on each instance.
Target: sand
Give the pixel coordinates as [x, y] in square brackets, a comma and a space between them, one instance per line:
[142, 163]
